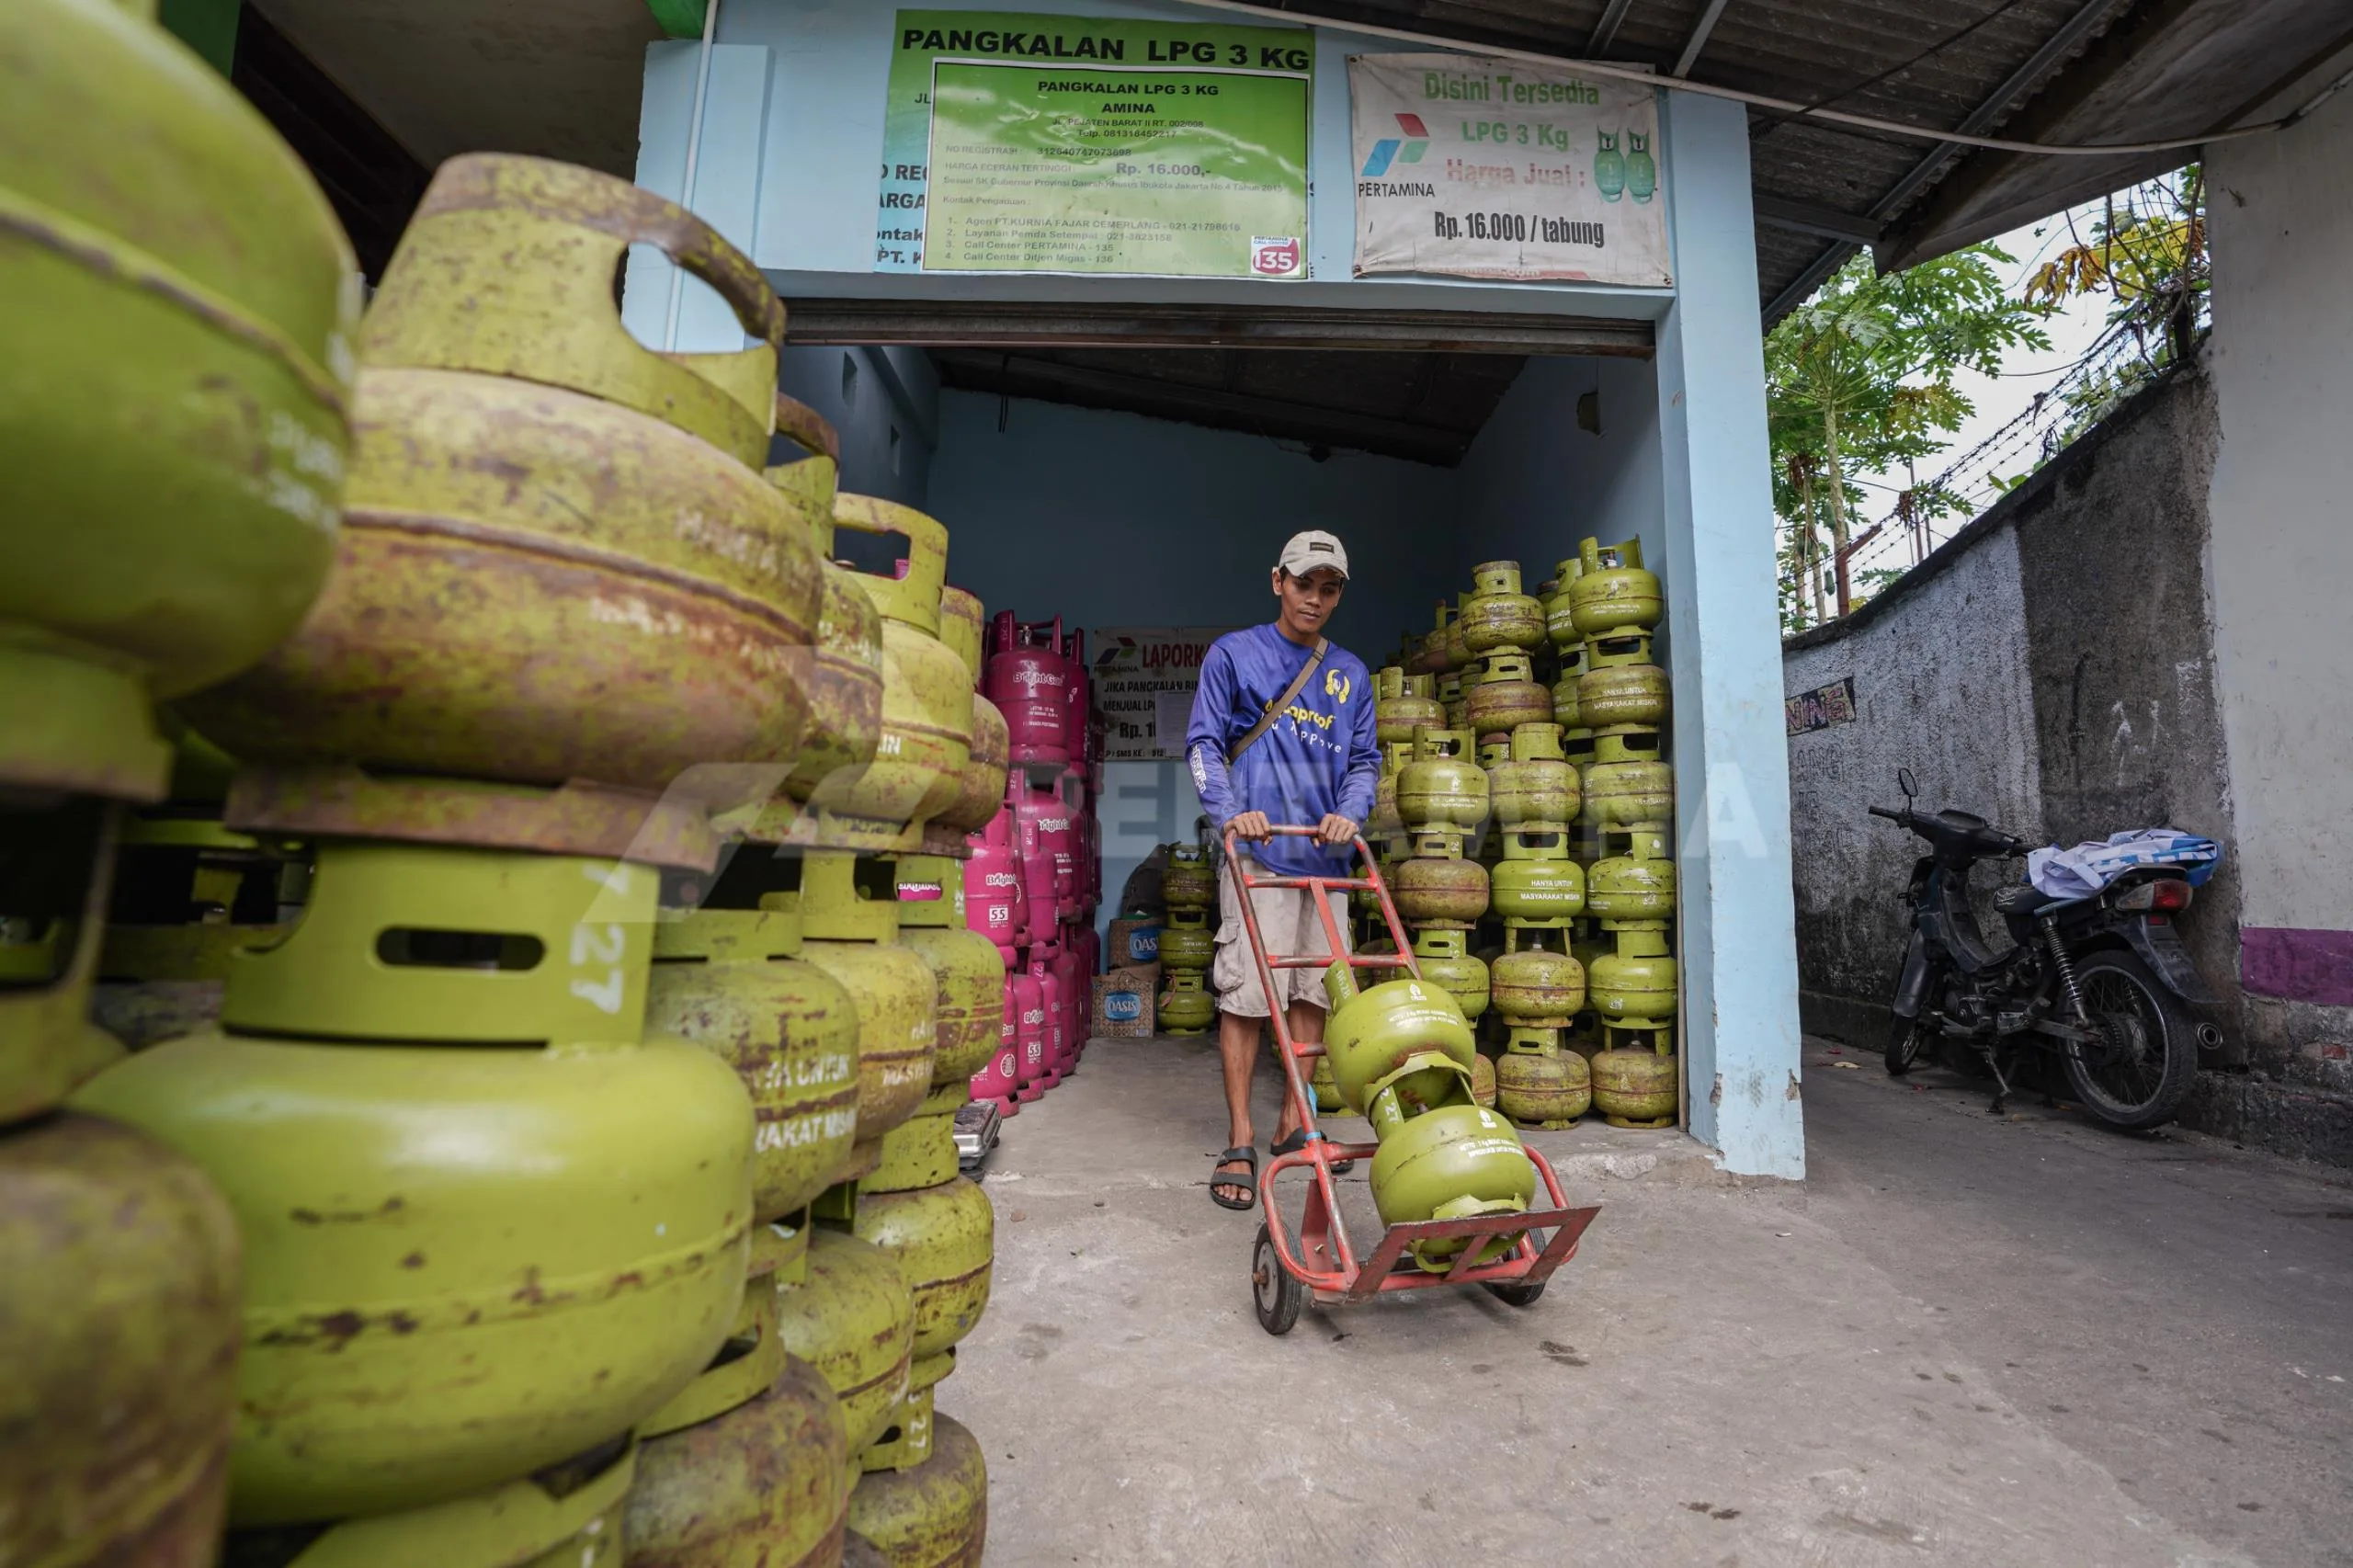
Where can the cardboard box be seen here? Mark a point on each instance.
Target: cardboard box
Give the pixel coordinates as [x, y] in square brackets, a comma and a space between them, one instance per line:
[1123, 1003]
[1135, 942]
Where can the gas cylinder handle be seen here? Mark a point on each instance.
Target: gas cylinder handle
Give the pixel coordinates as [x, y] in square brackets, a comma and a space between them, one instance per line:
[807, 428]
[912, 597]
[507, 269]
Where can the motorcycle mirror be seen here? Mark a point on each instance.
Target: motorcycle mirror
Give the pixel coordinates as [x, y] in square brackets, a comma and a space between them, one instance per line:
[1903, 782]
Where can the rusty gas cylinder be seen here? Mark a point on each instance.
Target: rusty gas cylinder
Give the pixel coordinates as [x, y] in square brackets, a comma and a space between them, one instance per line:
[766, 1483]
[119, 1282]
[1621, 685]
[934, 1516]
[1451, 892]
[730, 981]
[852, 1317]
[1536, 785]
[1497, 615]
[853, 936]
[1404, 703]
[1507, 697]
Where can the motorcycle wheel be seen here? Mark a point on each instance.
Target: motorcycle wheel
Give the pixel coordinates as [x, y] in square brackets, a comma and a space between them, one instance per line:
[1907, 1042]
[2139, 1072]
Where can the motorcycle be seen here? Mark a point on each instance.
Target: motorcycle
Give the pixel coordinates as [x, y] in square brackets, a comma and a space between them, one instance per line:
[2100, 981]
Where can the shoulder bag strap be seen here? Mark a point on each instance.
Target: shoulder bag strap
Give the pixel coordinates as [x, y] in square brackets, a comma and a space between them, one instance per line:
[1298, 684]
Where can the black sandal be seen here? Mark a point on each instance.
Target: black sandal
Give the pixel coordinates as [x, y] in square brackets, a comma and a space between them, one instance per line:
[1300, 1140]
[1248, 1184]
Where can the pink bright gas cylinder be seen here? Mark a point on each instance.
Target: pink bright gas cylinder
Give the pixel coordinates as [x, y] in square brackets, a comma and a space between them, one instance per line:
[1029, 1034]
[995, 903]
[1042, 824]
[996, 1082]
[1044, 970]
[1029, 679]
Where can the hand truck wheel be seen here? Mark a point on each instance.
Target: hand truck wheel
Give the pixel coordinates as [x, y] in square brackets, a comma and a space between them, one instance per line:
[1276, 1294]
[1516, 1295]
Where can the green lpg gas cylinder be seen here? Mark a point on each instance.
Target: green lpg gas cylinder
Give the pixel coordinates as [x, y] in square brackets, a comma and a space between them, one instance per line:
[1442, 792]
[119, 1264]
[1536, 883]
[176, 366]
[1507, 697]
[1384, 821]
[934, 1516]
[853, 1319]
[1621, 686]
[1564, 689]
[1612, 592]
[1641, 169]
[1406, 1035]
[943, 1239]
[1450, 698]
[1560, 620]
[1435, 889]
[1634, 1087]
[1535, 786]
[1187, 943]
[854, 938]
[1482, 1081]
[1403, 704]
[497, 1227]
[1186, 1008]
[1532, 986]
[748, 1360]
[966, 968]
[521, 467]
[918, 1153]
[1538, 1083]
[566, 1515]
[907, 1441]
[727, 979]
[1445, 959]
[926, 691]
[1497, 615]
[1327, 1091]
[1635, 987]
[1458, 645]
[842, 670]
[1609, 167]
[762, 1486]
[1626, 786]
[1452, 1163]
[980, 786]
[1637, 885]
[1189, 881]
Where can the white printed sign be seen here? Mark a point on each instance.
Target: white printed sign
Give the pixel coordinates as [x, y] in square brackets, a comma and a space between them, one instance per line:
[1144, 679]
[1475, 167]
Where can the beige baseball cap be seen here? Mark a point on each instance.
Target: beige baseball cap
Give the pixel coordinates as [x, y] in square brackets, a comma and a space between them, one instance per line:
[1312, 548]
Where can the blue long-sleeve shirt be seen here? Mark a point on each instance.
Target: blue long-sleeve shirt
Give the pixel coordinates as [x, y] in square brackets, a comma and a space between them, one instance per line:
[1319, 757]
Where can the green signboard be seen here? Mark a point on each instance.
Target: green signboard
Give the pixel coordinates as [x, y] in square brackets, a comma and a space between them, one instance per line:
[1038, 144]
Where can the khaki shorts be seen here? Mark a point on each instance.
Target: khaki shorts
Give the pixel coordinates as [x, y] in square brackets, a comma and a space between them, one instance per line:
[1287, 924]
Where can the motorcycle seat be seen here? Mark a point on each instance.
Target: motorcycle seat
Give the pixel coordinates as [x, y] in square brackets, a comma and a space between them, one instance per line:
[2025, 899]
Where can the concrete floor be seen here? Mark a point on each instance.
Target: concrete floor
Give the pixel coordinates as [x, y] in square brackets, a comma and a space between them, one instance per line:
[1964, 1341]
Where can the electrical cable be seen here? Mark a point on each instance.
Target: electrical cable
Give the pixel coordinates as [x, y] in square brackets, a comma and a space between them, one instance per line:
[2005, 9]
[1764, 100]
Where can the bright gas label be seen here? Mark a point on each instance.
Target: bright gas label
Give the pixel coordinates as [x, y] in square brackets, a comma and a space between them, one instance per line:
[1044, 144]
[1488, 168]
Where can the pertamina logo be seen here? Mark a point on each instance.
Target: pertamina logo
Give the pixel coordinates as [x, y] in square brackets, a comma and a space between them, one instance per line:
[1405, 149]
[1276, 256]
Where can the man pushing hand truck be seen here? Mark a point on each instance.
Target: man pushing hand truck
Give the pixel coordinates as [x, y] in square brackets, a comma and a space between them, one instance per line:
[1282, 732]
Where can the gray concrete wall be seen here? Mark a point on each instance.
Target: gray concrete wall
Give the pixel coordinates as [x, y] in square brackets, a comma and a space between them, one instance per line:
[2053, 669]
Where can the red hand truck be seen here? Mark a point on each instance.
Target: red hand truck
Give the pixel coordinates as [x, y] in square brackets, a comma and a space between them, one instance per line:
[1283, 1273]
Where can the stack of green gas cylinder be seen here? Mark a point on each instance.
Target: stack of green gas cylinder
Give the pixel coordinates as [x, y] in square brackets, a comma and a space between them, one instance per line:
[1187, 941]
[550, 1025]
[1523, 806]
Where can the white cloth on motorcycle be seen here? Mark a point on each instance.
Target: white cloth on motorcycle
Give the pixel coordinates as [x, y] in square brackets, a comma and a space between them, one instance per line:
[2089, 867]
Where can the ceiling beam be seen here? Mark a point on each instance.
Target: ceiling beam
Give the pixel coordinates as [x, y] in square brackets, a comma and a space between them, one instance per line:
[1806, 282]
[1698, 38]
[1805, 217]
[1020, 376]
[1605, 32]
[1023, 324]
